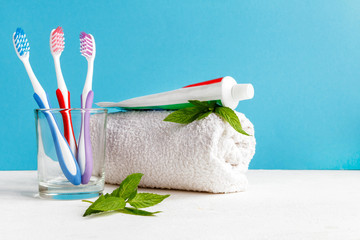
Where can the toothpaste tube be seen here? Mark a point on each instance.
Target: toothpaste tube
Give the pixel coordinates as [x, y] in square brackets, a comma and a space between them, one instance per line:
[225, 91]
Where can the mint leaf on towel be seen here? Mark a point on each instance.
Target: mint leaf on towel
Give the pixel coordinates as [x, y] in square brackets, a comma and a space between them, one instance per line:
[185, 116]
[202, 109]
[126, 193]
[199, 111]
[204, 104]
[144, 200]
[229, 115]
[204, 115]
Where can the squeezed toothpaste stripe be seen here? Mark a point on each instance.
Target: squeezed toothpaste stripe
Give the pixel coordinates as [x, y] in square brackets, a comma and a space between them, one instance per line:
[205, 83]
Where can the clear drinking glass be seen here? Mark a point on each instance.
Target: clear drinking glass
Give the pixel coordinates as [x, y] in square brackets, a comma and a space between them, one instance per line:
[53, 184]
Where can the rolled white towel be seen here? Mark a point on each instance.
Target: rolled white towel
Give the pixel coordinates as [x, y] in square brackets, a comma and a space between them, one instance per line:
[206, 155]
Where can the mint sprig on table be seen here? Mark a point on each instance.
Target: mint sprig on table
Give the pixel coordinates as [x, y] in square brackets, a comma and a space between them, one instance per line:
[126, 193]
[203, 109]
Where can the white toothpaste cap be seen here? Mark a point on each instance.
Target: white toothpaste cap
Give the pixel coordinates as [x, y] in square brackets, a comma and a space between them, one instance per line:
[241, 92]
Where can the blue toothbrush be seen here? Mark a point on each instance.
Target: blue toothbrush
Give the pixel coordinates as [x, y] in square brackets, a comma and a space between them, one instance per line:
[65, 156]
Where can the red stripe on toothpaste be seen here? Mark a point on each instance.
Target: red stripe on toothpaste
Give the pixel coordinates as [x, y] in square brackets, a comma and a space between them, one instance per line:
[205, 83]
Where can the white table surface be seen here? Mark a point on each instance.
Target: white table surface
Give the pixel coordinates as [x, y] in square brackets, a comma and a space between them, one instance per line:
[277, 205]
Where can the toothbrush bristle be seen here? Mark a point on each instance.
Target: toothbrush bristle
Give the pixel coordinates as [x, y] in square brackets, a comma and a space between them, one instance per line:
[57, 40]
[21, 42]
[86, 44]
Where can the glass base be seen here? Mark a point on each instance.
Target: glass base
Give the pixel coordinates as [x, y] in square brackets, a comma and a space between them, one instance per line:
[69, 196]
[61, 189]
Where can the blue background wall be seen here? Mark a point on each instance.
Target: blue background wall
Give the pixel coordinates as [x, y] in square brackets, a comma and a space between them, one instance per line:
[303, 58]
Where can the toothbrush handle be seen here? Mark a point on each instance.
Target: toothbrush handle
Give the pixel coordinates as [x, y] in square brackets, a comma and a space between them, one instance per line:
[66, 116]
[85, 158]
[66, 158]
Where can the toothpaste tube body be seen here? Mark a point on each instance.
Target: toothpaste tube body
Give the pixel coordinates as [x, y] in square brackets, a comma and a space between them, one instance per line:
[225, 91]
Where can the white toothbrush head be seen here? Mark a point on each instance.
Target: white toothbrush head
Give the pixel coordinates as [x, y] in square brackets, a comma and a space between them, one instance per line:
[87, 46]
[21, 44]
[57, 41]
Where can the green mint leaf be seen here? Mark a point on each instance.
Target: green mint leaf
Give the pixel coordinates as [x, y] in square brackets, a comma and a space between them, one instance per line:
[144, 200]
[116, 201]
[184, 116]
[135, 211]
[230, 116]
[110, 204]
[204, 115]
[90, 210]
[205, 105]
[128, 186]
[200, 104]
[132, 195]
[213, 104]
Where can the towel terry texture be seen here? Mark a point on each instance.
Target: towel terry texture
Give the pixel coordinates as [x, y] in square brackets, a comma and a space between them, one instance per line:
[206, 155]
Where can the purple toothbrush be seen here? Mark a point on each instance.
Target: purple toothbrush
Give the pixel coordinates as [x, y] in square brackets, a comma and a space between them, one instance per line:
[84, 155]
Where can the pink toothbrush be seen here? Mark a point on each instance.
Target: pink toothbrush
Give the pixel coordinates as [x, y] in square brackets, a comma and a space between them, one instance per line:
[88, 50]
[57, 44]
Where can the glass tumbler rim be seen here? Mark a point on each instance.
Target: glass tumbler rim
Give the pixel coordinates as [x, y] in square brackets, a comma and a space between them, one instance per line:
[93, 110]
